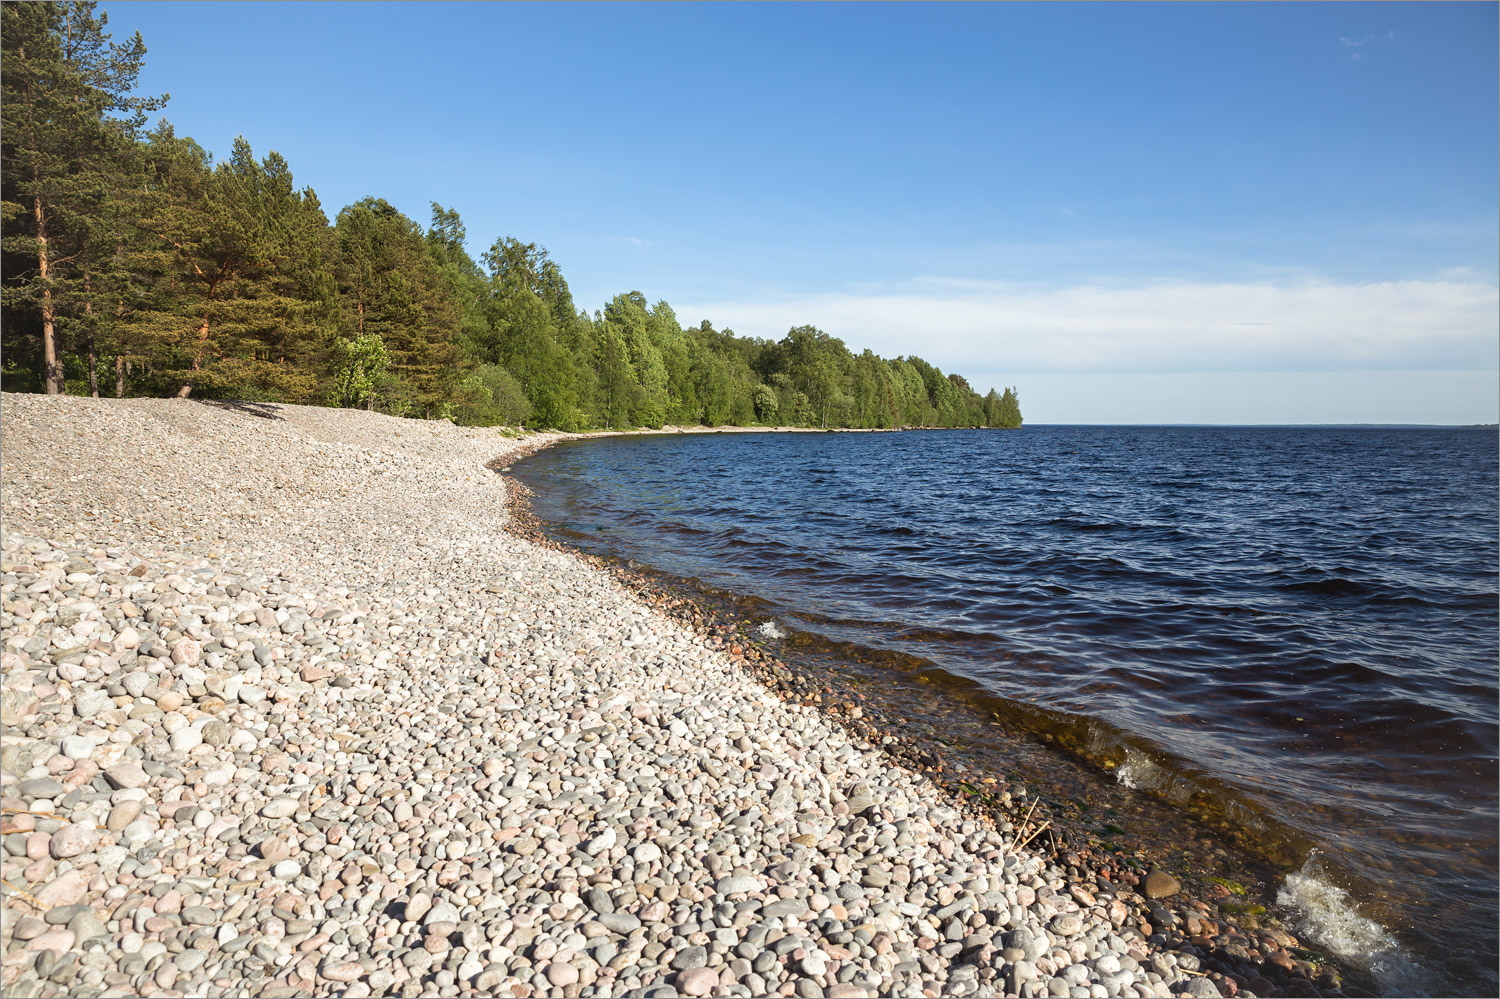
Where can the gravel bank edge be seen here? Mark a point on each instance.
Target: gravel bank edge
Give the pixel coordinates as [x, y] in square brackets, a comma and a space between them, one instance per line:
[288, 711]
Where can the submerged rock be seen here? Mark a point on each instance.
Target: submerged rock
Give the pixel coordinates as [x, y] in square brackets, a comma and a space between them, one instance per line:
[1160, 884]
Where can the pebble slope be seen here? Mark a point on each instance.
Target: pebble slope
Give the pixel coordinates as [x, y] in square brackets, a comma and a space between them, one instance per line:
[288, 712]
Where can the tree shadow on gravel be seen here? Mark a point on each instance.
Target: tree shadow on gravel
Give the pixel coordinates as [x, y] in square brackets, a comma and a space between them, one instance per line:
[264, 410]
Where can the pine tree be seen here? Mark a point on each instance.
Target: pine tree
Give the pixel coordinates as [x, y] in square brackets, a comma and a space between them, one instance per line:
[1009, 410]
[66, 122]
[240, 288]
[410, 290]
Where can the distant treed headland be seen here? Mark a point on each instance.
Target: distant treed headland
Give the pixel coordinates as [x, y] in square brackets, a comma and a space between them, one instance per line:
[136, 265]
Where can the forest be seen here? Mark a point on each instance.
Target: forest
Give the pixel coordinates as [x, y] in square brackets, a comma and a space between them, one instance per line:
[136, 264]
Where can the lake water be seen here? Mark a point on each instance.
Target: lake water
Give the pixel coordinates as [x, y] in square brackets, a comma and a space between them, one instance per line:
[1298, 625]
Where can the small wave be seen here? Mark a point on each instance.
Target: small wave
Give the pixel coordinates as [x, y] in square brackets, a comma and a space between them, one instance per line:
[1137, 771]
[769, 629]
[1330, 586]
[1327, 917]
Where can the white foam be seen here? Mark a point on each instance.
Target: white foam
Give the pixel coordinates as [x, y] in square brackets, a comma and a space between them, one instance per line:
[1136, 771]
[1327, 918]
[769, 629]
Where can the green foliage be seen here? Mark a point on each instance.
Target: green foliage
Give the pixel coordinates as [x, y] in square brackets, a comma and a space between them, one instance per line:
[186, 275]
[1002, 410]
[362, 362]
[766, 404]
[233, 292]
[397, 283]
[68, 127]
[490, 397]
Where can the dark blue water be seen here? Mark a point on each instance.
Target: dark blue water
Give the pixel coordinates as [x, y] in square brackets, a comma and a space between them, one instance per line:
[1300, 623]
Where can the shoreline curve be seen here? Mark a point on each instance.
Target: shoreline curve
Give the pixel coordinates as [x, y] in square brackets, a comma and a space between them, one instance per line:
[288, 711]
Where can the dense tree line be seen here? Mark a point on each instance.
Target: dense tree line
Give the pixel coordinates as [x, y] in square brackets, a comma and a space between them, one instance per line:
[136, 264]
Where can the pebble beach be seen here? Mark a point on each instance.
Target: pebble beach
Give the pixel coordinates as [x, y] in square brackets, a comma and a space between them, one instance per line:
[289, 711]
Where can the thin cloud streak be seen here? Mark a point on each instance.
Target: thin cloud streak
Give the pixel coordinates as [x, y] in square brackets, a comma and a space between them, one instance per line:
[1164, 327]
[1432, 397]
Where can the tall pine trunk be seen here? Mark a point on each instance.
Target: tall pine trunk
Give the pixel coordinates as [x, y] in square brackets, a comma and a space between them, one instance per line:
[52, 370]
[88, 311]
[119, 376]
[213, 286]
[187, 385]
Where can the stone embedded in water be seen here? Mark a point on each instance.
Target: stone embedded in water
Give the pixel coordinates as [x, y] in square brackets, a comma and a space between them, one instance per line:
[1160, 884]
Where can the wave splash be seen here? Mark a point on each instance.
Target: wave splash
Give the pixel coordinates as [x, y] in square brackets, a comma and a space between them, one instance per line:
[769, 629]
[1326, 916]
[1137, 771]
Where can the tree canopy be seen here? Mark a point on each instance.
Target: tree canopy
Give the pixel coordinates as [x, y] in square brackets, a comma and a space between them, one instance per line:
[225, 279]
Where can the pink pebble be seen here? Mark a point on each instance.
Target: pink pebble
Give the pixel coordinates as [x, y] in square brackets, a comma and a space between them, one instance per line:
[697, 982]
[59, 940]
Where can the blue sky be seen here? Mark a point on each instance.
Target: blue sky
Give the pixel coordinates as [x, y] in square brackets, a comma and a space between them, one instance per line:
[1133, 213]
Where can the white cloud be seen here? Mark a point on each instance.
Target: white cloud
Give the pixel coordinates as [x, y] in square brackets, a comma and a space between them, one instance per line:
[634, 240]
[1358, 41]
[1449, 397]
[1164, 327]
